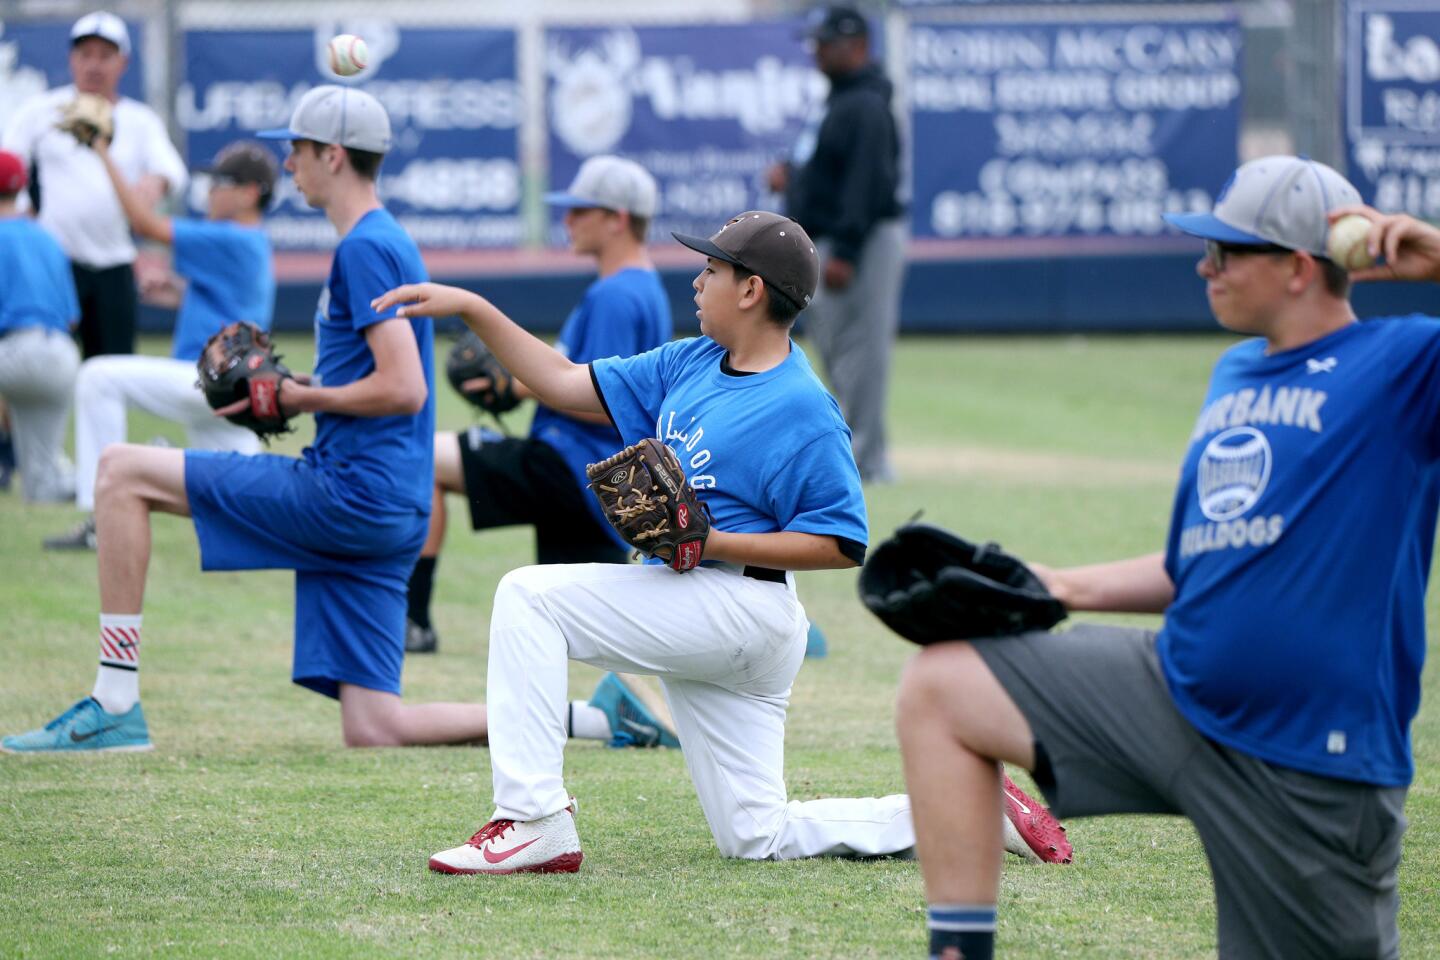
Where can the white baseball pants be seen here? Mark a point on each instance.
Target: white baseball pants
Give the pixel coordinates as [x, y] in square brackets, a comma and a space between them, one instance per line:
[726, 648]
[37, 375]
[109, 385]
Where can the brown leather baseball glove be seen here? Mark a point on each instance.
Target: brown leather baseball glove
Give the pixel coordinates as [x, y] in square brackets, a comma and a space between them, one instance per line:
[643, 493]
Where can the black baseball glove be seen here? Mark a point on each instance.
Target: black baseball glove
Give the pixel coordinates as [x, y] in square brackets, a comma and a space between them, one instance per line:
[929, 585]
[470, 358]
[238, 363]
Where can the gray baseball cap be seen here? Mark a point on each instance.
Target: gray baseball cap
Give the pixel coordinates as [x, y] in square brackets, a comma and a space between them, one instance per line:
[775, 248]
[1279, 200]
[613, 183]
[339, 115]
[104, 25]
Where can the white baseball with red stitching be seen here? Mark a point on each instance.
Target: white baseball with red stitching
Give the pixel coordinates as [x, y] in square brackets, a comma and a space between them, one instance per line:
[348, 55]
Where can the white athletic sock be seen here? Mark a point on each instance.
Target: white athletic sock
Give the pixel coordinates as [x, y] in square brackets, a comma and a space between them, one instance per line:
[587, 722]
[117, 681]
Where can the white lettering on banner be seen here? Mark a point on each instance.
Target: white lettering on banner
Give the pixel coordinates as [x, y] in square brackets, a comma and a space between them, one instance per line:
[1411, 110]
[716, 198]
[448, 104]
[290, 232]
[1199, 91]
[976, 51]
[1080, 121]
[1149, 48]
[449, 184]
[1418, 60]
[1090, 134]
[591, 100]
[1034, 197]
[951, 94]
[762, 99]
[1393, 106]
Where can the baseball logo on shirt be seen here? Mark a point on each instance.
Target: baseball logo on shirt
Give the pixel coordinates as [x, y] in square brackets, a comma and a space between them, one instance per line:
[1233, 471]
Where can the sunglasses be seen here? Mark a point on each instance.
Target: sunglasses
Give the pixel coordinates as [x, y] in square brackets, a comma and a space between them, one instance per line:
[1216, 252]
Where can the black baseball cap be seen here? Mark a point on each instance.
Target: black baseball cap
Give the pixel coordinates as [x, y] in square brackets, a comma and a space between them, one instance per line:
[835, 23]
[774, 248]
[245, 161]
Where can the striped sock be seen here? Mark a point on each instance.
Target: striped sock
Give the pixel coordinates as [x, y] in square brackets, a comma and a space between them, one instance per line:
[117, 682]
[961, 931]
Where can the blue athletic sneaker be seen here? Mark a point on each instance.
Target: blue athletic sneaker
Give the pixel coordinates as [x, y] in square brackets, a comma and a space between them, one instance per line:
[632, 723]
[815, 646]
[85, 726]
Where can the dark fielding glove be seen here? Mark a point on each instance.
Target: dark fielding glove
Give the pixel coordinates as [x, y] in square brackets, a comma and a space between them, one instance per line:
[643, 493]
[238, 363]
[87, 118]
[470, 358]
[929, 585]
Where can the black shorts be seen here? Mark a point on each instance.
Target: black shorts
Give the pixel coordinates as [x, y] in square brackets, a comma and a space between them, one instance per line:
[107, 301]
[523, 482]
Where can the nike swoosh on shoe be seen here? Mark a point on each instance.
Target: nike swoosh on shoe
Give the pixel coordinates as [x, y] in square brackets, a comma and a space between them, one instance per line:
[491, 857]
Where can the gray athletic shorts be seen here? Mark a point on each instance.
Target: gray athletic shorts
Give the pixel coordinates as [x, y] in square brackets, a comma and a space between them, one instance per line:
[1304, 866]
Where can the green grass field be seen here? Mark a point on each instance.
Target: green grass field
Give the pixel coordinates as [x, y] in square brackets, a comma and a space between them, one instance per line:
[250, 831]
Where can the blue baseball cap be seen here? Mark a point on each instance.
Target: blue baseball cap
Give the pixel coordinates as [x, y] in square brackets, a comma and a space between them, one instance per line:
[1281, 200]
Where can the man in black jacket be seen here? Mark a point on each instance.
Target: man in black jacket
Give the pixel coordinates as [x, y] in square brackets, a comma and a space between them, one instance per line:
[842, 183]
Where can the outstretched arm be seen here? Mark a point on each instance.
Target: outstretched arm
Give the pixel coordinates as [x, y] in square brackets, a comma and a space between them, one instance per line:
[1137, 585]
[551, 376]
[138, 209]
[1411, 247]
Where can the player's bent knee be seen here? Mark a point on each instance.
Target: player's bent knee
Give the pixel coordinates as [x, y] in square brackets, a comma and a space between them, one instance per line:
[156, 476]
[114, 473]
[520, 590]
[934, 674]
[448, 473]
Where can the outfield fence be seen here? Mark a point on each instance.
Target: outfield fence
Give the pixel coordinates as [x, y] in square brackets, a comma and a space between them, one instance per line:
[1045, 139]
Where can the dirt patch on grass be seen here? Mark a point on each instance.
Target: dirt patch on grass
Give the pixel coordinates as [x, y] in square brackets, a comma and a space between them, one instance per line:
[1028, 467]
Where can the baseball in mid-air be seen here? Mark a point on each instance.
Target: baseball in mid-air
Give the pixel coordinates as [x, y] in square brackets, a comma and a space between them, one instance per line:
[1346, 242]
[348, 55]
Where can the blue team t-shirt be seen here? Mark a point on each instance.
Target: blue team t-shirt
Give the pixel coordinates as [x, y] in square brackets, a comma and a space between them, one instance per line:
[766, 452]
[231, 277]
[388, 460]
[620, 315]
[1300, 547]
[37, 288]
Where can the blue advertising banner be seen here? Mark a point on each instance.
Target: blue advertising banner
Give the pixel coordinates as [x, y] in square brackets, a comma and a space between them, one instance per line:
[1062, 129]
[453, 175]
[706, 109]
[1392, 104]
[35, 56]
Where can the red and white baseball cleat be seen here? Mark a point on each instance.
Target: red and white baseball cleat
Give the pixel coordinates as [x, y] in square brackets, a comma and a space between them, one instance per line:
[547, 845]
[1031, 830]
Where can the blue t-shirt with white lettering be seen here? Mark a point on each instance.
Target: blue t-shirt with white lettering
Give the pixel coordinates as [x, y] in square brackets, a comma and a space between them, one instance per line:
[1300, 547]
[767, 452]
[621, 315]
[37, 288]
[230, 274]
[387, 460]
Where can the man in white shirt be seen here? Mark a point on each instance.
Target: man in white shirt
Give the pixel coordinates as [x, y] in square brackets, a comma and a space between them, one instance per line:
[75, 200]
